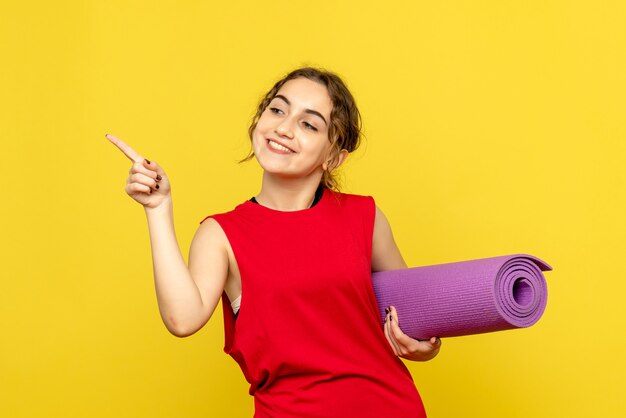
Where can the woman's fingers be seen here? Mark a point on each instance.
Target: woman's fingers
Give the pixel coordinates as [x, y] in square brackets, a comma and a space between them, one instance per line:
[140, 164]
[154, 168]
[435, 342]
[125, 148]
[399, 336]
[407, 346]
[132, 188]
[392, 343]
[389, 334]
[143, 179]
[146, 182]
[403, 342]
[145, 169]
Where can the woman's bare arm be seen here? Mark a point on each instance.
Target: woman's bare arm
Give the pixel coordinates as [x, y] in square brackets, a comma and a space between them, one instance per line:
[386, 256]
[187, 296]
[385, 252]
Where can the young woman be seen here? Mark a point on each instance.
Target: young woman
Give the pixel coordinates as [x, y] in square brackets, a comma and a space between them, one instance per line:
[292, 266]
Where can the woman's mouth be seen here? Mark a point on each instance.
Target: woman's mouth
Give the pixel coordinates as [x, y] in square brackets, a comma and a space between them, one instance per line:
[276, 147]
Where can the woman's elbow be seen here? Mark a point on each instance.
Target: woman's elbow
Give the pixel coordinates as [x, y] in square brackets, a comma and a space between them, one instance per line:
[179, 329]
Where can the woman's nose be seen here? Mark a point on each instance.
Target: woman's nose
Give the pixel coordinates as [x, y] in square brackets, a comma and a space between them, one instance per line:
[285, 128]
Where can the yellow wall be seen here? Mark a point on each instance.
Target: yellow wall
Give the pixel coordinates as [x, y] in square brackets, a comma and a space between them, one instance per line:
[493, 127]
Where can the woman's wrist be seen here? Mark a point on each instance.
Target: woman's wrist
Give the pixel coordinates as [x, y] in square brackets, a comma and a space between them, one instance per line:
[165, 207]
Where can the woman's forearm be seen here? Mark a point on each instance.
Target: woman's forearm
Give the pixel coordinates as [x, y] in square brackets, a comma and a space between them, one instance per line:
[179, 300]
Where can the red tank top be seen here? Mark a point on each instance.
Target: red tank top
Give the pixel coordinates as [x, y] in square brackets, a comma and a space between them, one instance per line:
[308, 336]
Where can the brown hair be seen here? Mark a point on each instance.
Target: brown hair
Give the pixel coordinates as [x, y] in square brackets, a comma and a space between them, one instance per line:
[345, 127]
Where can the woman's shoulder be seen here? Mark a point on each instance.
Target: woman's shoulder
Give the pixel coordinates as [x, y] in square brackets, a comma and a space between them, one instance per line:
[228, 213]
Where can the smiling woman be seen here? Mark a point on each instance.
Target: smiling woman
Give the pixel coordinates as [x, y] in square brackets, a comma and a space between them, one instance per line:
[341, 124]
[292, 266]
[291, 138]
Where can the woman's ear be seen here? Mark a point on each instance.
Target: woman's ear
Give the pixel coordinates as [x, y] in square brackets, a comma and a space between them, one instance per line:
[343, 154]
[335, 161]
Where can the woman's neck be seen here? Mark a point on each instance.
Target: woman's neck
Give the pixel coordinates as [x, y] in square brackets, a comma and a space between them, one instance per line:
[287, 194]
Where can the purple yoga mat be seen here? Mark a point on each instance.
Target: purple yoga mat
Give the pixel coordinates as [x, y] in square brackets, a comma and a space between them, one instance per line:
[466, 297]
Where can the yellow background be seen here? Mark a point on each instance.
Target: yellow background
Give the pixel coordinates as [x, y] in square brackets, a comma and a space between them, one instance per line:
[493, 127]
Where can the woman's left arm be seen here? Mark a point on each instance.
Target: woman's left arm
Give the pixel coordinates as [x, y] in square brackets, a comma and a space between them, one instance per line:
[386, 256]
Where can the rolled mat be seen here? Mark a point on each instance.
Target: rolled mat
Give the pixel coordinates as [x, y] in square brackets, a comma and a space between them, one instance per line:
[466, 297]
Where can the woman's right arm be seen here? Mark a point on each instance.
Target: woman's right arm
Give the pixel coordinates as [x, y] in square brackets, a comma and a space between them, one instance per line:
[187, 296]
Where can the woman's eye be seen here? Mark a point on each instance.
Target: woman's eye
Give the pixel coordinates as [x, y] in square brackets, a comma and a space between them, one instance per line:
[275, 110]
[309, 126]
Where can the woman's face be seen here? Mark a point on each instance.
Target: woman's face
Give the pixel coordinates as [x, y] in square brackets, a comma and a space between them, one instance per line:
[291, 136]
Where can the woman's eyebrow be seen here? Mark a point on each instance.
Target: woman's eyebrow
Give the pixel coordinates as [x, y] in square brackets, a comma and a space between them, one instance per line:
[311, 111]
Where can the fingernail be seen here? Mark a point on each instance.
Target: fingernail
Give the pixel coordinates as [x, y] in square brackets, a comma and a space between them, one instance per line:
[147, 160]
[159, 177]
[157, 186]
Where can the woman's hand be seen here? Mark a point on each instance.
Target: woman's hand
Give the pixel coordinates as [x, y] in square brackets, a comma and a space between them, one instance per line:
[147, 182]
[405, 346]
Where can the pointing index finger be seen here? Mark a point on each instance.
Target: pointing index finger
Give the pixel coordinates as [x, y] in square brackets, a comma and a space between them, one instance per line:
[125, 148]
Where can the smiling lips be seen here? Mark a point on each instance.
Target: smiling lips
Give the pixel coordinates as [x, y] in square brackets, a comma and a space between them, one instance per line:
[278, 147]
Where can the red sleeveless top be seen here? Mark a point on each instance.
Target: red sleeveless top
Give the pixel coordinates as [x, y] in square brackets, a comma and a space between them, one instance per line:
[308, 336]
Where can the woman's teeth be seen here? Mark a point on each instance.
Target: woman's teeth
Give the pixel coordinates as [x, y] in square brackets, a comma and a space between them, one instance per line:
[278, 146]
